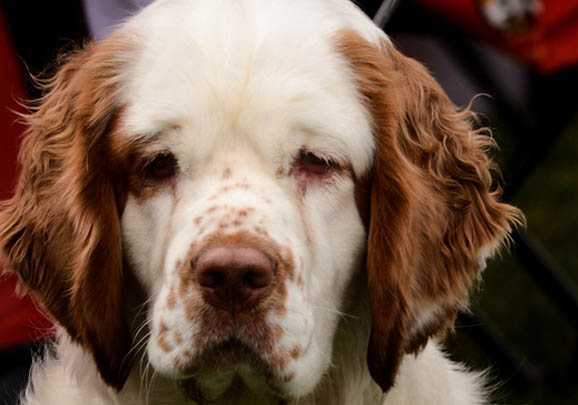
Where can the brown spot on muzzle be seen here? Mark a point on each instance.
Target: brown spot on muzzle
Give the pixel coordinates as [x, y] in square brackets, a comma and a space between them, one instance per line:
[295, 351]
[171, 299]
[162, 338]
[177, 337]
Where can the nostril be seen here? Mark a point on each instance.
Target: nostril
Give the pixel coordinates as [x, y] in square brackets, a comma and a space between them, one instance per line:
[211, 278]
[257, 278]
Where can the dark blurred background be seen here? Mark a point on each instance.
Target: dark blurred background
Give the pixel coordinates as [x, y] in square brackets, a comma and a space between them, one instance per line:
[522, 54]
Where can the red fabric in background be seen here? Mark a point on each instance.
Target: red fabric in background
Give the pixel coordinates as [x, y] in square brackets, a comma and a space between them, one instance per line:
[550, 45]
[20, 320]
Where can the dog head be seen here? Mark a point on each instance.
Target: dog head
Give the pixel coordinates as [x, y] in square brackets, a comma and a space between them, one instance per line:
[243, 163]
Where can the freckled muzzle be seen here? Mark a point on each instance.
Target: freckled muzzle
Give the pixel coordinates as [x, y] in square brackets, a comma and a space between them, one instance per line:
[233, 295]
[230, 288]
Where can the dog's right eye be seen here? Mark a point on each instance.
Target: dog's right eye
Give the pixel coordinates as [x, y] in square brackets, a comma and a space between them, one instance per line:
[161, 167]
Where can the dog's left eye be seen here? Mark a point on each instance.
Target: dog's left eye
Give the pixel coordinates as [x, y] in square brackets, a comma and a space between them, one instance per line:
[162, 167]
[311, 163]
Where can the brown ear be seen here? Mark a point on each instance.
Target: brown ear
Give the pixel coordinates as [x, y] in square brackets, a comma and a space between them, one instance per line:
[60, 232]
[433, 218]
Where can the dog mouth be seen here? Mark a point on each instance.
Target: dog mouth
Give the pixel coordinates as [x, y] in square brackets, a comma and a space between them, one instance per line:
[228, 368]
[228, 354]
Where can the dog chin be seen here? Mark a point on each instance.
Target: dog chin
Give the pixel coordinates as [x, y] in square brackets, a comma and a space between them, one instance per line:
[228, 370]
[238, 386]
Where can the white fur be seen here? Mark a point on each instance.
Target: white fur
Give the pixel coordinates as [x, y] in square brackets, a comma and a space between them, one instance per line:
[246, 85]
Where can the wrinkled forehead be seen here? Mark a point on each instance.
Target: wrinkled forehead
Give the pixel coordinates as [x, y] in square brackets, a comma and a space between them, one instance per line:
[251, 72]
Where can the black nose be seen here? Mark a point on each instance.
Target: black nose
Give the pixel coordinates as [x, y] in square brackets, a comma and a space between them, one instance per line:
[234, 278]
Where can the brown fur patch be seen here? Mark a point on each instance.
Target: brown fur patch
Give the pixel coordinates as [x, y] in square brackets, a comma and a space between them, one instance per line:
[177, 337]
[295, 352]
[163, 343]
[60, 232]
[177, 363]
[427, 202]
[171, 299]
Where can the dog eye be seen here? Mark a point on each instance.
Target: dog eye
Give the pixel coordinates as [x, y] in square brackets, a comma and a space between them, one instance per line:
[162, 167]
[311, 163]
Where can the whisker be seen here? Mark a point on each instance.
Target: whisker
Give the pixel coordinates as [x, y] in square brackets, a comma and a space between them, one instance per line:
[335, 311]
[139, 309]
[140, 343]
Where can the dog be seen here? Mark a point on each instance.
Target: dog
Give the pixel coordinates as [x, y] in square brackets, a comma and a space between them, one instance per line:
[250, 202]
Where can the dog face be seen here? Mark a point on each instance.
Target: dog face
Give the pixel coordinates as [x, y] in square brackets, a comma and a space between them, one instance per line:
[246, 231]
[244, 171]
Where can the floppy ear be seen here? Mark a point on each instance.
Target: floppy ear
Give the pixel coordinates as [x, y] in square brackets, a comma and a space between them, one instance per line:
[433, 217]
[60, 232]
